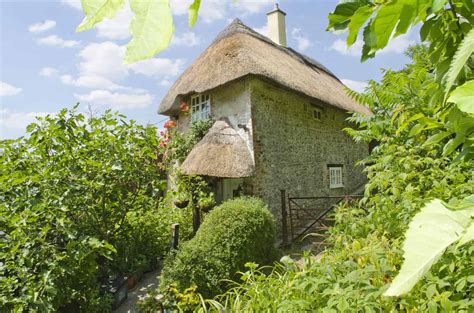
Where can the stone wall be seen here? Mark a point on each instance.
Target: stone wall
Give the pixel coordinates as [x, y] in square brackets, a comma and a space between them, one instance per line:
[293, 149]
[232, 101]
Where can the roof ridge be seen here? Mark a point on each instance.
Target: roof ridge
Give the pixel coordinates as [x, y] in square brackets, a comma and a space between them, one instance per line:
[237, 26]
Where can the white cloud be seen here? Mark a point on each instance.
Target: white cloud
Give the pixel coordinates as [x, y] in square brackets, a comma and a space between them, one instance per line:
[18, 120]
[212, 10]
[180, 7]
[262, 30]
[116, 28]
[209, 11]
[254, 6]
[76, 4]
[116, 101]
[341, 47]
[8, 90]
[90, 82]
[49, 72]
[397, 45]
[54, 40]
[187, 39]
[103, 59]
[302, 41]
[101, 67]
[158, 67]
[41, 27]
[355, 85]
[164, 83]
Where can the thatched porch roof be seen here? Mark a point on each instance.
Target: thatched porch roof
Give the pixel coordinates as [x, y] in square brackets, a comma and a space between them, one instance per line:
[221, 153]
[239, 52]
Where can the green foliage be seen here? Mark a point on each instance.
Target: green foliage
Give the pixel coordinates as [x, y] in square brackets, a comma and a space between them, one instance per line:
[237, 231]
[186, 301]
[181, 144]
[71, 193]
[152, 28]
[449, 35]
[431, 231]
[97, 10]
[366, 240]
[152, 25]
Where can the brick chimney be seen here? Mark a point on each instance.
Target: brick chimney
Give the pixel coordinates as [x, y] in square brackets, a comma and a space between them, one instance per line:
[276, 26]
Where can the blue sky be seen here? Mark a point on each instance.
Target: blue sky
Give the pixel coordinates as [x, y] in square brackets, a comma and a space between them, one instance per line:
[45, 65]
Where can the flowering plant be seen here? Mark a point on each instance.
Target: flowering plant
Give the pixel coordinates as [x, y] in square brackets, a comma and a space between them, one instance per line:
[170, 124]
[184, 107]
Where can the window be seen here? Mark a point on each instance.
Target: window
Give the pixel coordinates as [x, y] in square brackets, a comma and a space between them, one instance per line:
[317, 114]
[200, 107]
[335, 176]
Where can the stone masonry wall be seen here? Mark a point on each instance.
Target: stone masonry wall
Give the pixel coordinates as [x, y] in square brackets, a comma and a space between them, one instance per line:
[292, 149]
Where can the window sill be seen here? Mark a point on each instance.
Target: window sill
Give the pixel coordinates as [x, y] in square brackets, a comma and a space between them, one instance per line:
[336, 186]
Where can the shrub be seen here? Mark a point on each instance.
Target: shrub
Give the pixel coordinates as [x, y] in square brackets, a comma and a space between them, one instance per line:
[234, 233]
[66, 191]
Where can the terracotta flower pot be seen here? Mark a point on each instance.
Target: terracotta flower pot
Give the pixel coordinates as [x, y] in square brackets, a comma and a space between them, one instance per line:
[130, 282]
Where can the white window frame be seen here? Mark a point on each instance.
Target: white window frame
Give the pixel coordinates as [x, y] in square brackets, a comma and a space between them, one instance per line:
[335, 177]
[200, 107]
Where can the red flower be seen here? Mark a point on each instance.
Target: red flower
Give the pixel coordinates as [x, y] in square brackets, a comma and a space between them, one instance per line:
[170, 124]
[162, 144]
[184, 107]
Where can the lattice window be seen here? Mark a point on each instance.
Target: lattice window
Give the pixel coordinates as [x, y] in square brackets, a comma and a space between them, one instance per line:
[200, 107]
[335, 177]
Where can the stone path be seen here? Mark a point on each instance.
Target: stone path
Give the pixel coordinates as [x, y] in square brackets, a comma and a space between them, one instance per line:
[150, 280]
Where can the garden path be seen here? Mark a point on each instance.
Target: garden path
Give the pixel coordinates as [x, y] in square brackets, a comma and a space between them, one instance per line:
[150, 280]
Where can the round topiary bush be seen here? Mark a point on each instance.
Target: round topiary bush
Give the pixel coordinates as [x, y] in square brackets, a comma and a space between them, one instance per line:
[238, 231]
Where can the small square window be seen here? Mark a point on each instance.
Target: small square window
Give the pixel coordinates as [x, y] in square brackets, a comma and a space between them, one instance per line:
[317, 114]
[335, 177]
[200, 107]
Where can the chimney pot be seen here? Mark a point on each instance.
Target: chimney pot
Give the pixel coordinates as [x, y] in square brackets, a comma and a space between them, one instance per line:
[276, 26]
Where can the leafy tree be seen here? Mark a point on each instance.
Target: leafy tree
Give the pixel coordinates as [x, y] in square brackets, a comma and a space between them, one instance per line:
[66, 195]
[448, 31]
[366, 251]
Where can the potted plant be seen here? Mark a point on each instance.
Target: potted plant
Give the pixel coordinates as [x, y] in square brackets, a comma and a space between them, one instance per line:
[206, 201]
[181, 200]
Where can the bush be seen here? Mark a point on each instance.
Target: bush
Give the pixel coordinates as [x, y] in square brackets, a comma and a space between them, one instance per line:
[66, 192]
[234, 233]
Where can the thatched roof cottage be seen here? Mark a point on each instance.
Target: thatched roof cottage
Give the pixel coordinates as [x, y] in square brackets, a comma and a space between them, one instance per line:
[279, 118]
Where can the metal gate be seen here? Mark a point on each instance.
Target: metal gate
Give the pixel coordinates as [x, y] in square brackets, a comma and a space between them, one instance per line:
[307, 213]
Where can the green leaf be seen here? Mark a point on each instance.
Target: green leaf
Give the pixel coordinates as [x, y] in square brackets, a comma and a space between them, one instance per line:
[438, 5]
[357, 20]
[454, 143]
[463, 96]
[467, 236]
[97, 10]
[463, 53]
[384, 24]
[430, 232]
[437, 138]
[152, 29]
[193, 12]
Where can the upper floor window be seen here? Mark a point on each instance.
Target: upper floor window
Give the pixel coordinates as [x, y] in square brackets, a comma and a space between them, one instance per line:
[200, 107]
[335, 176]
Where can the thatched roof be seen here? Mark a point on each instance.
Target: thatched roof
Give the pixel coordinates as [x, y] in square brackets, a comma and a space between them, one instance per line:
[221, 153]
[239, 51]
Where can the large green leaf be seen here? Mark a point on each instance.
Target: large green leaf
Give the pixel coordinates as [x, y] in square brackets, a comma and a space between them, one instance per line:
[357, 20]
[97, 10]
[193, 12]
[384, 24]
[463, 53]
[430, 232]
[152, 29]
[463, 96]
